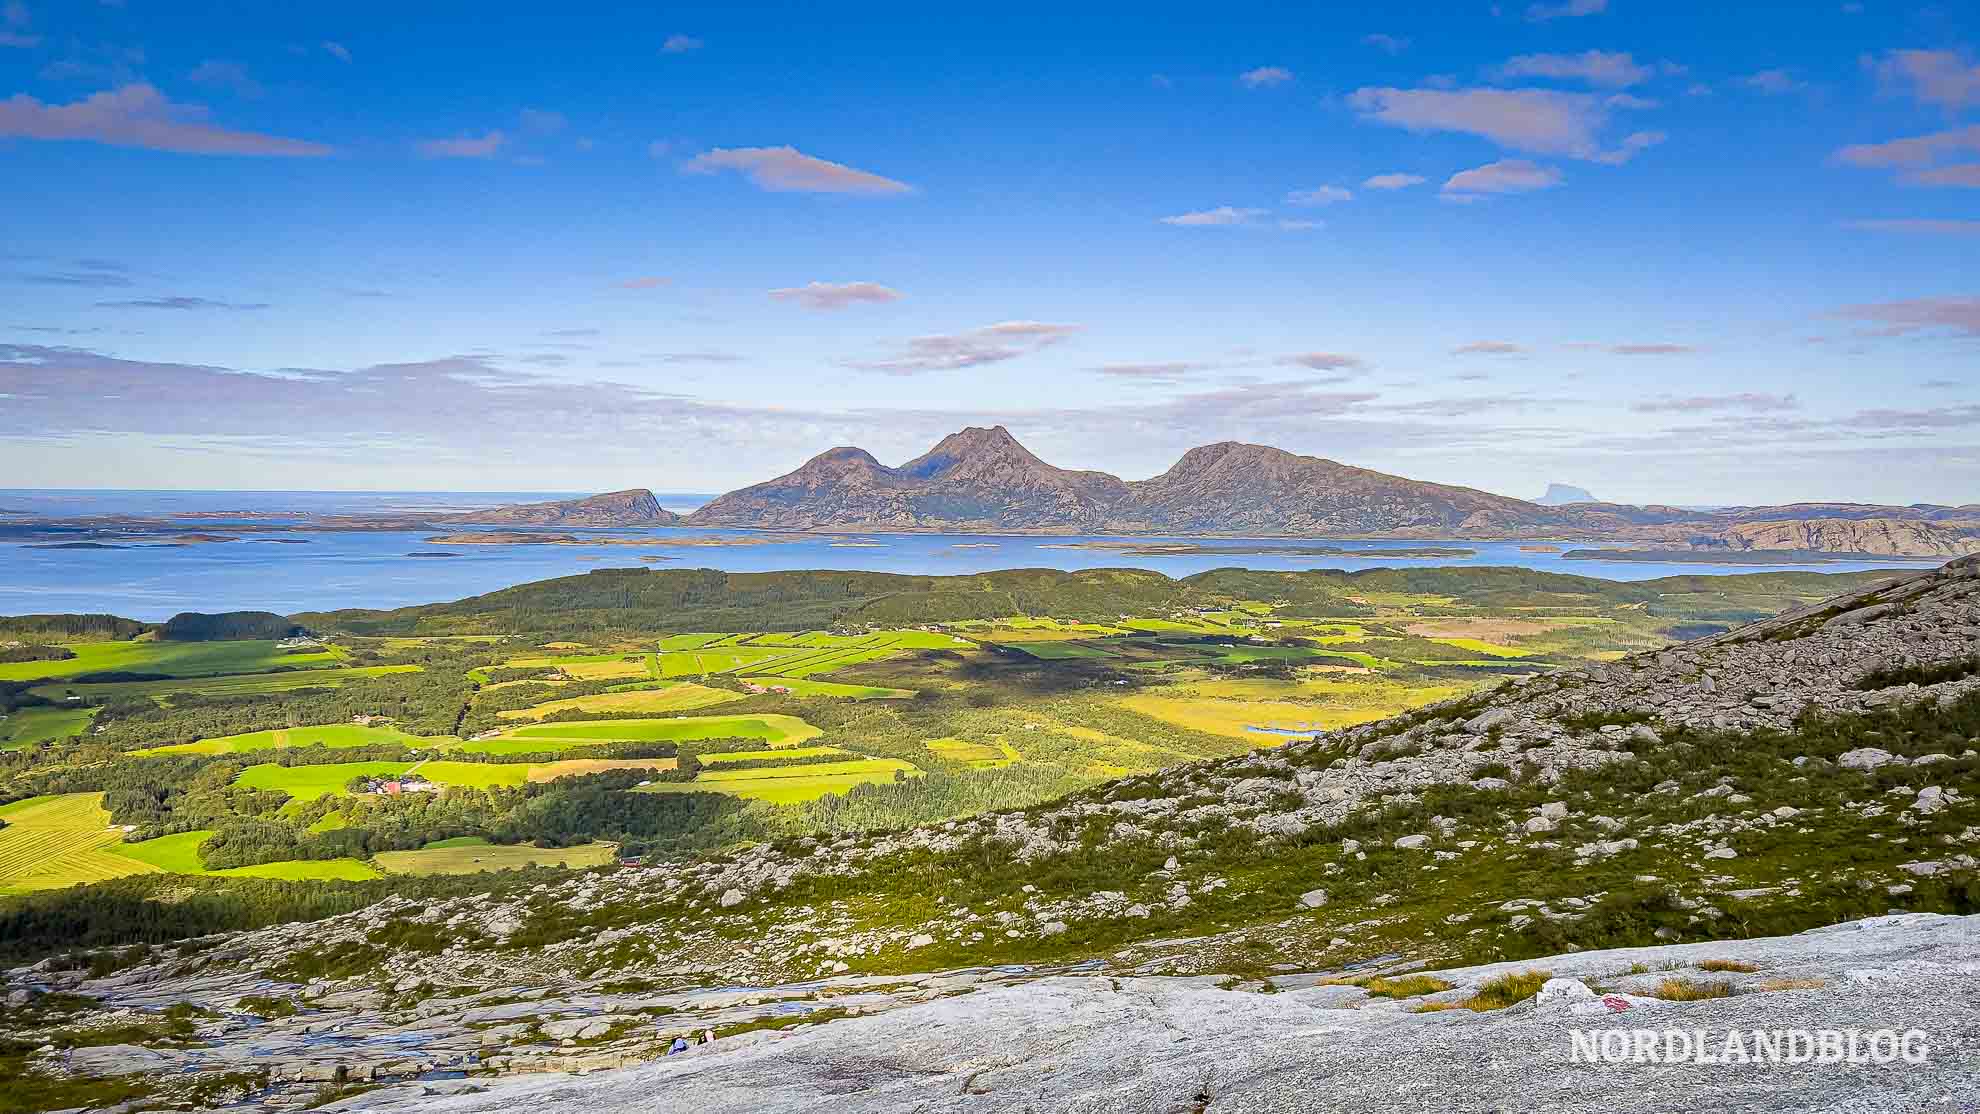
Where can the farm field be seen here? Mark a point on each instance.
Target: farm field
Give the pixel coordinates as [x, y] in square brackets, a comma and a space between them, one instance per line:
[51, 842]
[173, 659]
[577, 767]
[334, 736]
[244, 684]
[683, 697]
[791, 784]
[306, 783]
[473, 857]
[26, 727]
[179, 854]
[979, 756]
[804, 686]
[774, 729]
[786, 754]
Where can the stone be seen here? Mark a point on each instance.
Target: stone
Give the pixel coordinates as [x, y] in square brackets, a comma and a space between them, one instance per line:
[1313, 899]
[1536, 825]
[919, 940]
[1866, 758]
[730, 897]
[1554, 810]
[1486, 720]
[1412, 842]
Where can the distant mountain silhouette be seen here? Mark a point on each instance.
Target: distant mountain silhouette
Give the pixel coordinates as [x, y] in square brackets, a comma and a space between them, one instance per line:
[1563, 494]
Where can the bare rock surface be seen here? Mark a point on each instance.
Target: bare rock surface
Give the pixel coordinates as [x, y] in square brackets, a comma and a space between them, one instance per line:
[1131, 1045]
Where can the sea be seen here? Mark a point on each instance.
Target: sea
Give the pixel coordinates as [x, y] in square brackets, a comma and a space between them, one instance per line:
[302, 569]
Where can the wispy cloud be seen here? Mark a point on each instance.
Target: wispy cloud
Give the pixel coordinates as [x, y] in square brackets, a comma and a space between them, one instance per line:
[1265, 76]
[836, 295]
[1392, 181]
[1774, 83]
[14, 22]
[1966, 176]
[337, 50]
[1919, 150]
[485, 146]
[1941, 77]
[1749, 401]
[1502, 177]
[681, 44]
[182, 302]
[643, 282]
[1388, 44]
[140, 116]
[1537, 121]
[1567, 9]
[788, 170]
[1596, 67]
[1324, 361]
[1223, 216]
[1958, 314]
[991, 344]
[1163, 372]
[1919, 227]
[88, 273]
[1319, 195]
[1487, 348]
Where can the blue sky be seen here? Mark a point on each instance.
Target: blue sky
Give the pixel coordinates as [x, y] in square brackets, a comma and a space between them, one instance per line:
[1670, 252]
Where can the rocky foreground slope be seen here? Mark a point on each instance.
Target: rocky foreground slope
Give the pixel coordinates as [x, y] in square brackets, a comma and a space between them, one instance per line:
[1116, 949]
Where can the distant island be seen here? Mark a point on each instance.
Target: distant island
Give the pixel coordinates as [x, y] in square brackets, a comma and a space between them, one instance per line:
[983, 481]
[1264, 549]
[1732, 557]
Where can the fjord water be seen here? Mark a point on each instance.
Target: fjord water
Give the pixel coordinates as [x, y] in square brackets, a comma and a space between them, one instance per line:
[315, 570]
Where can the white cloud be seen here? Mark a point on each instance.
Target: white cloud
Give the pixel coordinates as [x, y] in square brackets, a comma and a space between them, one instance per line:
[1567, 9]
[140, 116]
[836, 295]
[337, 50]
[1939, 77]
[788, 170]
[991, 344]
[1265, 76]
[1539, 121]
[681, 44]
[1320, 195]
[1596, 67]
[1504, 176]
[1393, 181]
[1390, 44]
[1223, 216]
[463, 147]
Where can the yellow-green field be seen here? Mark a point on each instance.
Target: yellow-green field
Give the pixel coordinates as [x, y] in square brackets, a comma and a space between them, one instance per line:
[51, 842]
[981, 756]
[776, 730]
[791, 784]
[1235, 708]
[803, 686]
[335, 736]
[683, 697]
[466, 857]
[174, 659]
[786, 754]
[575, 767]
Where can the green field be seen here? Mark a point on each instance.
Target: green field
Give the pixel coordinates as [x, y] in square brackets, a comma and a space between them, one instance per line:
[462, 857]
[26, 727]
[801, 686]
[777, 730]
[976, 755]
[683, 697]
[306, 783]
[250, 684]
[334, 736]
[791, 784]
[179, 854]
[173, 659]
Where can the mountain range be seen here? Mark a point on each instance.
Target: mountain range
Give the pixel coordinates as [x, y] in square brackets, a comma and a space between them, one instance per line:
[983, 480]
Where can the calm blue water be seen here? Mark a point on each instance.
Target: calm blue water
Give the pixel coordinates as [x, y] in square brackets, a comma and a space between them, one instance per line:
[316, 570]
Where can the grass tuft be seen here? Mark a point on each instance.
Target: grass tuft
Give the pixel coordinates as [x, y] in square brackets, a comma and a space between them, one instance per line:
[1728, 965]
[1690, 990]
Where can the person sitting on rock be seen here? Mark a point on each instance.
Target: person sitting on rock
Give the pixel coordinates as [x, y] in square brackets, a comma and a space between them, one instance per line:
[680, 1045]
[708, 1036]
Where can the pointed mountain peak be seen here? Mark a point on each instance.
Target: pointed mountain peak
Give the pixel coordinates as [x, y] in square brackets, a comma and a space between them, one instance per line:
[974, 446]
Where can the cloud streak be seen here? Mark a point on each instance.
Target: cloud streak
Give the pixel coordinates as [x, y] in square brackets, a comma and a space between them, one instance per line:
[139, 116]
[788, 170]
[991, 344]
[836, 295]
